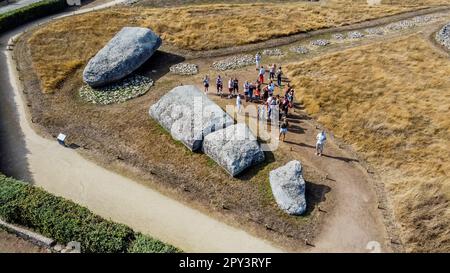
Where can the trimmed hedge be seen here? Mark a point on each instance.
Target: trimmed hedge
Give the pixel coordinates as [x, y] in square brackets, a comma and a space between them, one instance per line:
[17, 17]
[145, 244]
[66, 221]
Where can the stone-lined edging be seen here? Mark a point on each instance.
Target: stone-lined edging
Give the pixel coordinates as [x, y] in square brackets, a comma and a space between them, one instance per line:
[342, 37]
[443, 36]
[28, 235]
[184, 69]
[122, 91]
[282, 41]
[234, 62]
[38, 239]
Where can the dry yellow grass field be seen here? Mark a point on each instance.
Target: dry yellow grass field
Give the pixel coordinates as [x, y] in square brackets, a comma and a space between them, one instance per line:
[391, 101]
[61, 47]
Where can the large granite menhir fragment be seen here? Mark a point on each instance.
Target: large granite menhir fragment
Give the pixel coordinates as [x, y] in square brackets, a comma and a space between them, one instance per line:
[124, 53]
[234, 148]
[288, 187]
[189, 115]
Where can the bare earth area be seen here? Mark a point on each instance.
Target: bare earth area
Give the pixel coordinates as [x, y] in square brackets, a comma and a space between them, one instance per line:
[347, 207]
[10, 243]
[66, 173]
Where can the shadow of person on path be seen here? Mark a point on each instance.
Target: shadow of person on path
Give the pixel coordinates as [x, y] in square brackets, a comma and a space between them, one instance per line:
[345, 159]
[296, 129]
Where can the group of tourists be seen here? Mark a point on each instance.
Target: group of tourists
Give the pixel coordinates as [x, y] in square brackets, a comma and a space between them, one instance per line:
[264, 95]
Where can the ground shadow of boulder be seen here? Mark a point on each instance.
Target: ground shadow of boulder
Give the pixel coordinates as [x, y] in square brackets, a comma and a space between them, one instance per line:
[158, 65]
[256, 169]
[315, 194]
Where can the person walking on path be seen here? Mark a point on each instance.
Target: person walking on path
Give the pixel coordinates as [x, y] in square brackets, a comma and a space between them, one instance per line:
[262, 72]
[230, 88]
[238, 103]
[272, 72]
[279, 75]
[206, 83]
[236, 86]
[251, 88]
[271, 105]
[321, 138]
[258, 60]
[283, 129]
[261, 111]
[246, 90]
[219, 86]
[271, 88]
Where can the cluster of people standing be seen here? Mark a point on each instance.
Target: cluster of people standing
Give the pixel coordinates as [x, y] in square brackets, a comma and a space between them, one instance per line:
[260, 91]
[263, 94]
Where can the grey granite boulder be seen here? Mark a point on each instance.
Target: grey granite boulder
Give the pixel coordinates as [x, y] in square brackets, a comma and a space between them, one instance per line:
[127, 51]
[288, 187]
[234, 148]
[443, 36]
[189, 115]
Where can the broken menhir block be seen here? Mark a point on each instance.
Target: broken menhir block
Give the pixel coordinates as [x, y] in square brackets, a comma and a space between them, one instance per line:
[288, 187]
[234, 148]
[189, 115]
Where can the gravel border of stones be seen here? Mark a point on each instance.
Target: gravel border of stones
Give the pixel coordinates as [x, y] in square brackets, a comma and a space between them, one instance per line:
[129, 88]
[273, 52]
[184, 69]
[300, 49]
[234, 62]
[320, 42]
[443, 36]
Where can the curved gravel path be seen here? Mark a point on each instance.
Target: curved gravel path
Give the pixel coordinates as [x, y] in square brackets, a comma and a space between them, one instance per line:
[123, 200]
[66, 173]
[282, 41]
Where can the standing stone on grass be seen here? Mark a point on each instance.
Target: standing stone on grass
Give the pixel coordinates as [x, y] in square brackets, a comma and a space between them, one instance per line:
[443, 36]
[189, 115]
[234, 148]
[127, 51]
[288, 187]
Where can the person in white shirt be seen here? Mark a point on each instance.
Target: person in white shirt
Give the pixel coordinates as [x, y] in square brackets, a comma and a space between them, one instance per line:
[246, 89]
[238, 103]
[258, 60]
[230, 88]
[272, 72]
[271, 88]
[321, 138]
[271, 106]
[262, 72]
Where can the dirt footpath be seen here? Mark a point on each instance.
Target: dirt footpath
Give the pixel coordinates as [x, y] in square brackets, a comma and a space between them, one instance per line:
[10, 243]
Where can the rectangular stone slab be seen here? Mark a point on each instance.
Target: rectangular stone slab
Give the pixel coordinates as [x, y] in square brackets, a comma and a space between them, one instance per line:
[189, 115]
[234, 148]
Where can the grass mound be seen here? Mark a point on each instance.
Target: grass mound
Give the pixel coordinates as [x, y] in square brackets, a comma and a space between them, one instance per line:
[391, 102]
[61, 47]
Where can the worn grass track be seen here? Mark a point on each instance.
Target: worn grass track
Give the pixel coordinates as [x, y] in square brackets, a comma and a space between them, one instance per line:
[61, 47]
